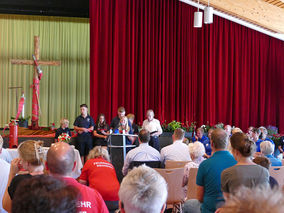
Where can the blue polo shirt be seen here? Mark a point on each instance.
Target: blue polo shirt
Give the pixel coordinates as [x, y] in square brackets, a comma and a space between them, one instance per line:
[273, 160]
[209, 176]
[84, 122]
[206, 142]
[257, 143]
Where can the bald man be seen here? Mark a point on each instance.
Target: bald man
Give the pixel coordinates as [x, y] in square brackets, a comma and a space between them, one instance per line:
[60, 163]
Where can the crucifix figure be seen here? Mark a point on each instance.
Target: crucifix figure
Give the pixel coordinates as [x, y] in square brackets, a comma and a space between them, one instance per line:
[36, 78]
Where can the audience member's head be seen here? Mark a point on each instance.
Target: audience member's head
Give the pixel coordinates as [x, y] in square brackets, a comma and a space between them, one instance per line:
[266, 147]
[60, 159]
[178, 134]
[196, 150]
[236, 129]
[44, 194]
[255, 134]
[262, 161]
[144, 136]
[31, 152]
[228, 129]
[256, 200]
[219, 139]
[98, 152]
[64, 123]
[242, 144]
[150, 114]
[143, 190]
[210, 132]
[121, 111]
[263, 133]
[200, 132]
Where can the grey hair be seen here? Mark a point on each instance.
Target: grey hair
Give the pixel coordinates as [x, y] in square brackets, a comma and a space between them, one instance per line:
[143, 190]
[266, 147]
[97, 152]
[196, 149]
[256, 200]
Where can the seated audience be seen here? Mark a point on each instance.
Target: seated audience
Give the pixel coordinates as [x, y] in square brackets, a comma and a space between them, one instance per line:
[31, 160]
[64, 123]
[154, 127]
[203, 139]
[60, 162]
[255, 138]
[101, 131]
[196, 151]
[142, 153]
[264, 162]
[45, 194]
[143, 190]
[178, 151]
[228, 129]
[210, 132]
[263, 135]
[99, 174]
[267, 149]
[208, 180]
[281, 145]
[245, 172]
[256, 200]
[4, 175]
[249, 132]
[131, 118]
[235, 130]
[4, 154]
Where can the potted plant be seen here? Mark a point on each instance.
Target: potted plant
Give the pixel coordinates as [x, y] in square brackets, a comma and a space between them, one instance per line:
[22, 121]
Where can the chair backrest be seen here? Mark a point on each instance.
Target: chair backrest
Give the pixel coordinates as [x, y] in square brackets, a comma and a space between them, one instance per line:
[173, 177]
[170, 164]
[152, 164]
[278, 173]
[191, 185]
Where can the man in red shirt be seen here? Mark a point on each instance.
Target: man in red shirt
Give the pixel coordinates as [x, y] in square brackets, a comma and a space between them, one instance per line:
[60, 163]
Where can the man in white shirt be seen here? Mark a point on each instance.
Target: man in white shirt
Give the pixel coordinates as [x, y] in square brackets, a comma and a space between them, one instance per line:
[154, 127]
[4, 175]
[178, 151]
[143, 152]
[4, 154]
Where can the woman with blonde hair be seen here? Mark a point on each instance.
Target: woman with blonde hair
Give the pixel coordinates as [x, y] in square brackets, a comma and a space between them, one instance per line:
[31, 161]
[124, 128]
[98, 173]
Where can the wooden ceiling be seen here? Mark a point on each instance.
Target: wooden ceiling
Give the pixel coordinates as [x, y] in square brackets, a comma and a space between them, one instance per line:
[268, 14]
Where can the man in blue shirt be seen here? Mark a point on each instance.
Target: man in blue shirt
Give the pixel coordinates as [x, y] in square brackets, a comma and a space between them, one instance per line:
[267, 148]
[84, 126]
[208, 180]
[203, 139]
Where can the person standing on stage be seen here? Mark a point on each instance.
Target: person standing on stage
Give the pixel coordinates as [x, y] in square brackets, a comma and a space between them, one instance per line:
[154, 127]
[115, 121]
[84, 126]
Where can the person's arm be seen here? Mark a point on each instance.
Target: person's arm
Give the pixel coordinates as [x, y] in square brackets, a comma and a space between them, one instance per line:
[80, 130]
[95, 133]
[200, 193]
[126, 165]
[14, 169]
[280, 149]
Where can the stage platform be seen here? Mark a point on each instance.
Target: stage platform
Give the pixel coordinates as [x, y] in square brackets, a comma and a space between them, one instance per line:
[47, 136]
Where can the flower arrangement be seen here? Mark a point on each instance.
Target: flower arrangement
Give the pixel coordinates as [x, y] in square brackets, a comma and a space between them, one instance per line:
[172, 126]
[64, 137]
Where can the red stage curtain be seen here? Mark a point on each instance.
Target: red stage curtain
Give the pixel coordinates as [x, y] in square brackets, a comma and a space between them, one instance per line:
[146, 54]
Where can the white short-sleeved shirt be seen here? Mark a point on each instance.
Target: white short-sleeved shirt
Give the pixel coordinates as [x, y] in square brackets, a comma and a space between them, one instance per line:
[152, 126]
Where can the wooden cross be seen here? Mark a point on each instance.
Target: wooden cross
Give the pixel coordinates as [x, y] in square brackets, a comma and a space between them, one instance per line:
[35, 101]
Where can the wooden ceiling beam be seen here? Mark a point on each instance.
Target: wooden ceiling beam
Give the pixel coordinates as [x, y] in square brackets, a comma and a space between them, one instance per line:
[257, 12]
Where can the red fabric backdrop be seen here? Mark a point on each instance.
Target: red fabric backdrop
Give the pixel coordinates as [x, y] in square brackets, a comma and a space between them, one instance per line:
[146, 54]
